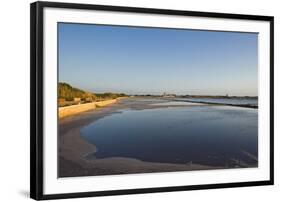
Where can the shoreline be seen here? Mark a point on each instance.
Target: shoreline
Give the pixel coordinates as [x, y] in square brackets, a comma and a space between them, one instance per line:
[74, 150]
[218, 104]
[79, 108]
[83, 166]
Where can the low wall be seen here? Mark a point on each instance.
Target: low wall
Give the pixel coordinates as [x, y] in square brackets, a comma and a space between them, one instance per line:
[104, 103]
[76, 109]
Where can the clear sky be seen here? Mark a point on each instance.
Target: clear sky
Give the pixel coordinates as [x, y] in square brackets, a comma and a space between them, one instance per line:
[137, 60]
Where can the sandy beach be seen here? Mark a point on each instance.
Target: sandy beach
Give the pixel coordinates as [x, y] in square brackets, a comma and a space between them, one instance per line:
[76, 155]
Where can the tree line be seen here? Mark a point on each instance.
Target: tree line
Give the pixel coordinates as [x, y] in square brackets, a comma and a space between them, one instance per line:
[68, 93]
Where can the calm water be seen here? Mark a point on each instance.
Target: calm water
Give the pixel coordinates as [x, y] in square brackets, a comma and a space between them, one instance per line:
[235, 101]
[209, 135]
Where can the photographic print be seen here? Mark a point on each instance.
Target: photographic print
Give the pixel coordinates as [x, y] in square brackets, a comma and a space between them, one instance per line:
[128, 100]
[143, 99]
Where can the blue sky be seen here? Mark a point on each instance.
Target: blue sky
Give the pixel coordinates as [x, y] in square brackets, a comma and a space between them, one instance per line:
[137, 60]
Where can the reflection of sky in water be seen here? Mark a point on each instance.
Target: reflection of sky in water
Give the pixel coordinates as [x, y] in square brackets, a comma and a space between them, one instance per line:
[202, 134]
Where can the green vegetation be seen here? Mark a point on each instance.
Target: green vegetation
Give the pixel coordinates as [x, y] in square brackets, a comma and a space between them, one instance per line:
[69, 93]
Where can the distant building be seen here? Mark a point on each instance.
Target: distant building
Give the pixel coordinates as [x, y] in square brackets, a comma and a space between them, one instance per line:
[169, 95]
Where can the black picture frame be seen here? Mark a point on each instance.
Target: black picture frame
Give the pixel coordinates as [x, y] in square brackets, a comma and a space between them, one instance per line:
[36, 98]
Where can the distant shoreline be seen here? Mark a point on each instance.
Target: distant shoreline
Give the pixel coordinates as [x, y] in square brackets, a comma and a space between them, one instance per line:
[220, 104]
[79, 108]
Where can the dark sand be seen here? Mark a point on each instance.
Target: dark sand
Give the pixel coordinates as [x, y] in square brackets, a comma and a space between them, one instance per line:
[74, 150]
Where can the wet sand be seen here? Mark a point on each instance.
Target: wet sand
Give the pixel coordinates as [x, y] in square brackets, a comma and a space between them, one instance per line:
[75, 152]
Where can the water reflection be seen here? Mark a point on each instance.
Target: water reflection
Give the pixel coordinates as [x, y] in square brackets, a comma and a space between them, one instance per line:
[208, 135]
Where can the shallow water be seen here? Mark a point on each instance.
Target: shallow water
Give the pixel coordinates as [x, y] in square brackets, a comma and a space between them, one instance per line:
[208, 135]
